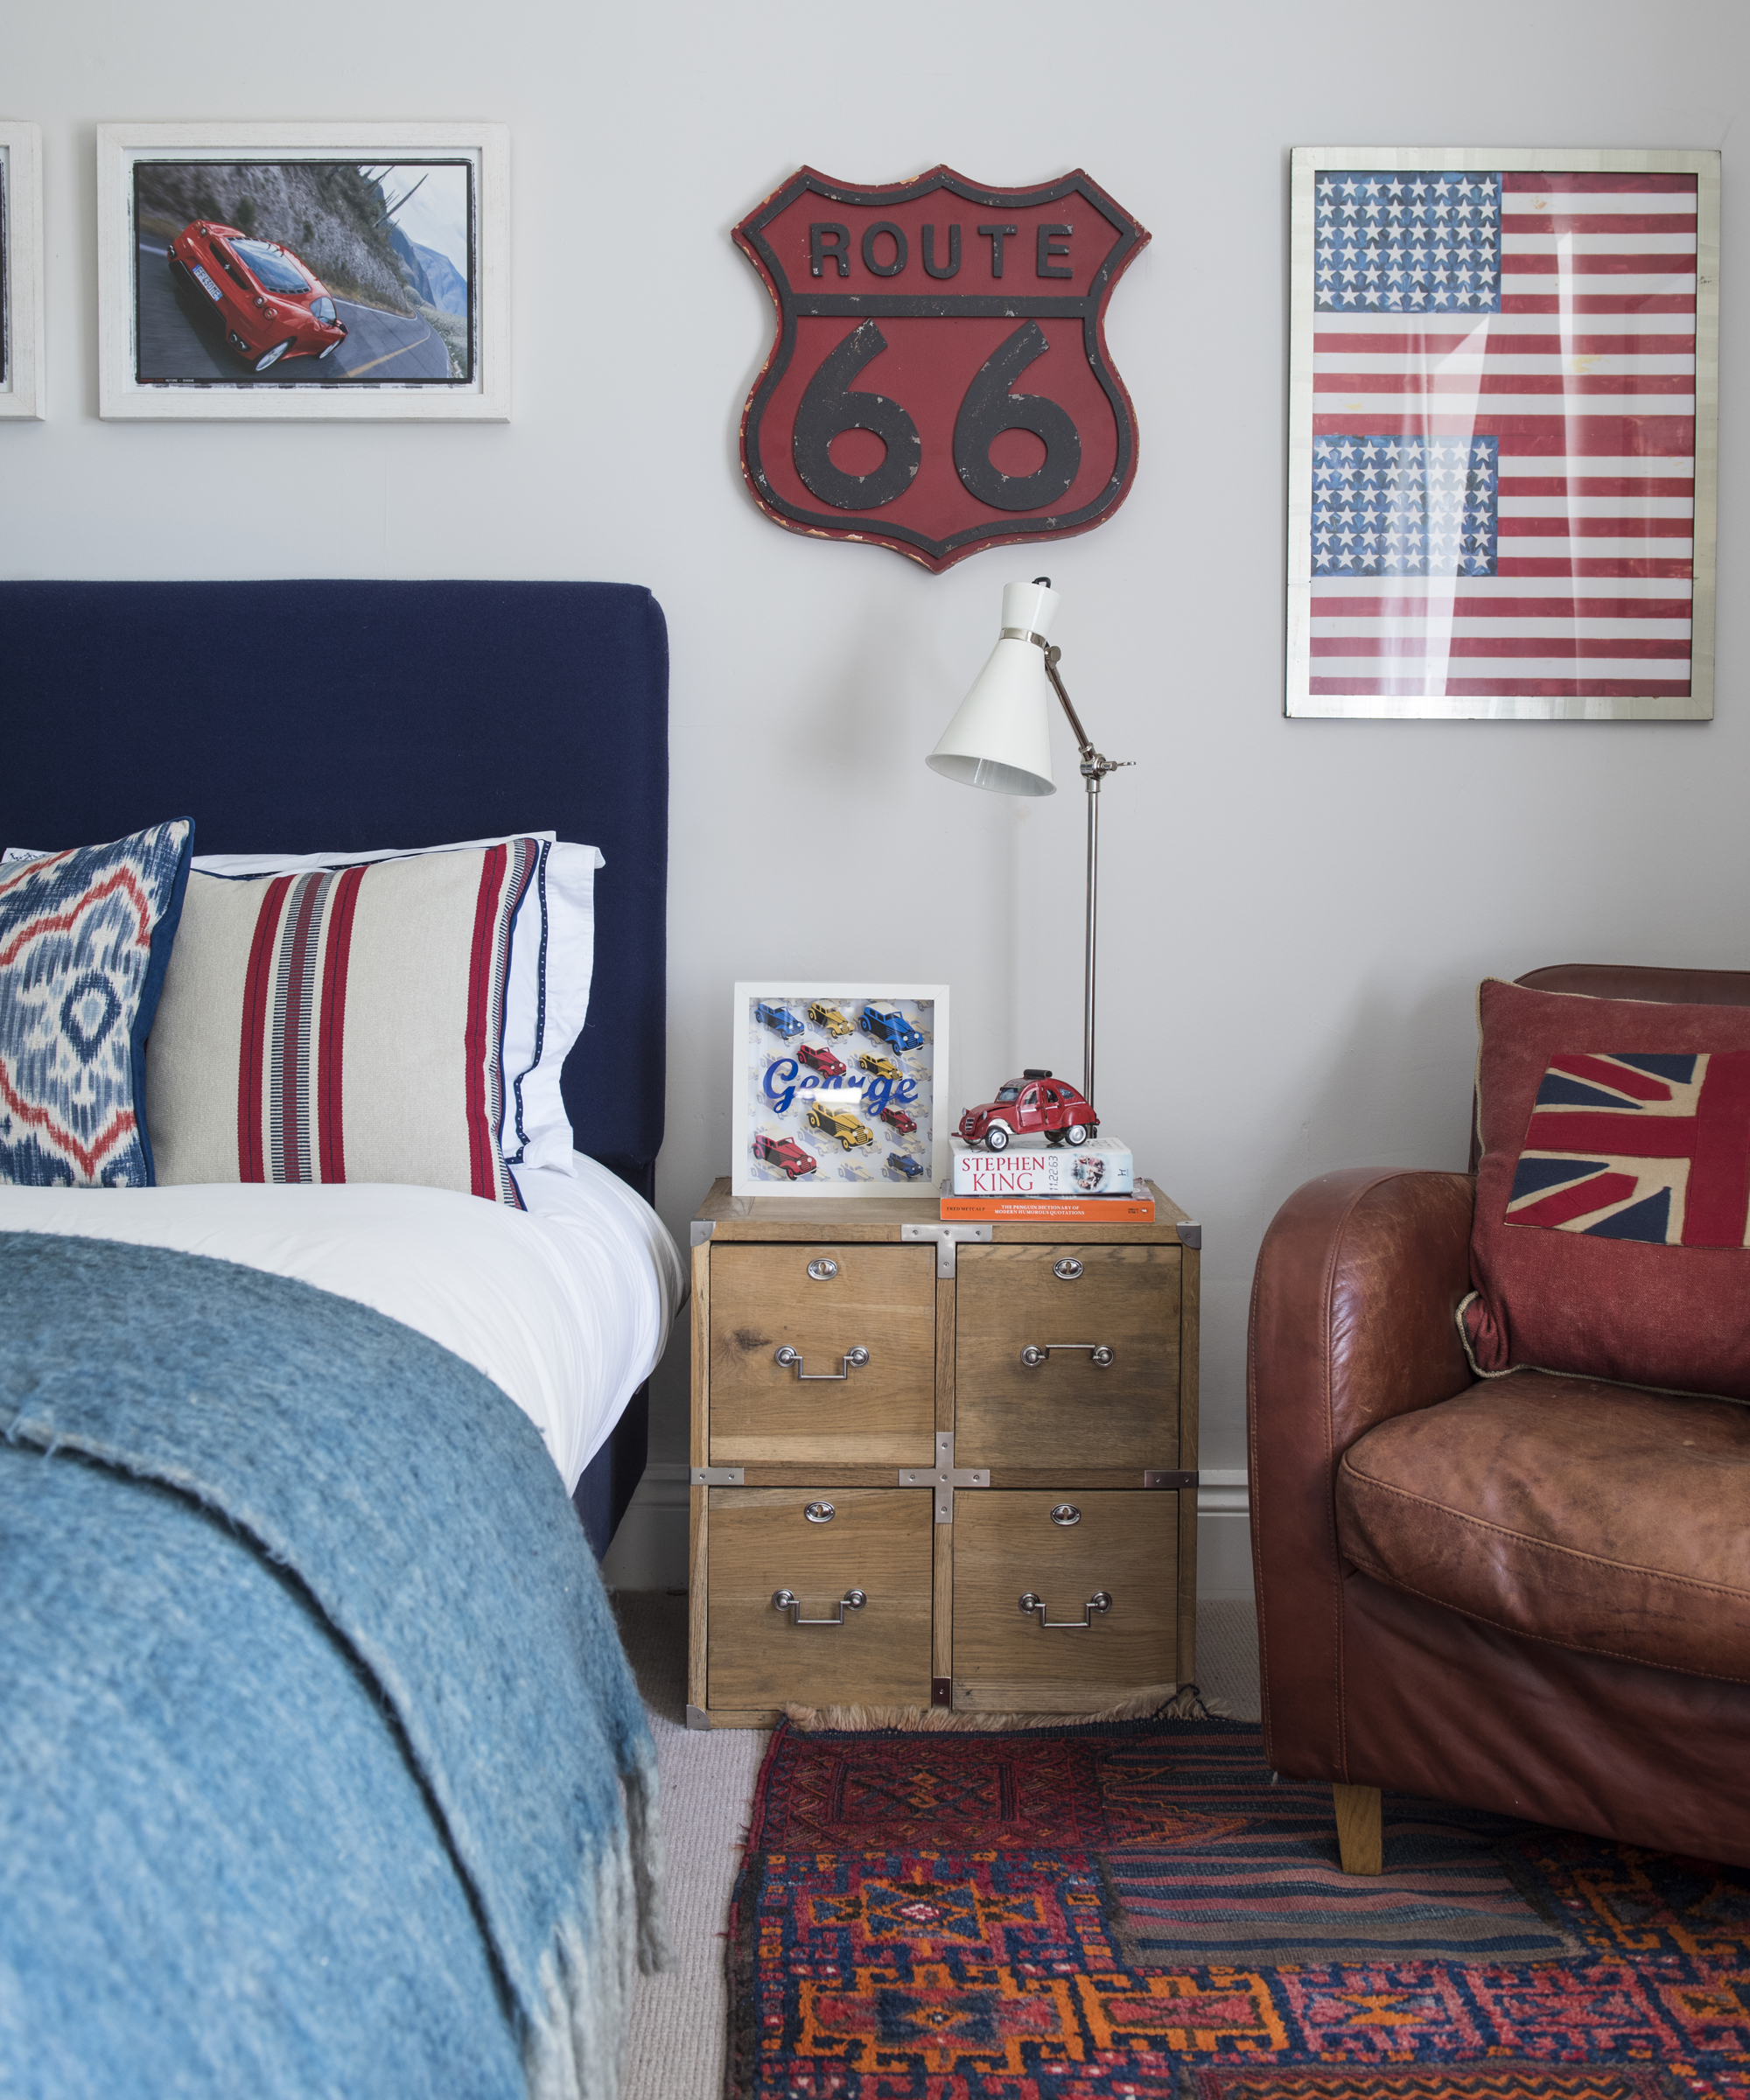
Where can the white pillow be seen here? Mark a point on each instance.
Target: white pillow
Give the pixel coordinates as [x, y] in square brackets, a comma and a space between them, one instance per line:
[546, 996]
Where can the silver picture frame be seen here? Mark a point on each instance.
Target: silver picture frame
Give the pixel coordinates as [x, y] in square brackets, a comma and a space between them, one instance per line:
[1402, 604]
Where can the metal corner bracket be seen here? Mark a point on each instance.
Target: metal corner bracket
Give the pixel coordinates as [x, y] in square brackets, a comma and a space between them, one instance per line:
[946, 1238]
[944, 1476]
[701, 1229]
[697, 1718]
[1190, 1233]
[717, 1476]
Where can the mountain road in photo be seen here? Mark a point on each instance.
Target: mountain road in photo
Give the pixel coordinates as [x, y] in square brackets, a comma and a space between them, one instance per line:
[172, 344]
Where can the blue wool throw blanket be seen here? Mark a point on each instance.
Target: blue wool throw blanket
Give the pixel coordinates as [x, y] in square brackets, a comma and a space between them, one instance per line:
[321, 1769]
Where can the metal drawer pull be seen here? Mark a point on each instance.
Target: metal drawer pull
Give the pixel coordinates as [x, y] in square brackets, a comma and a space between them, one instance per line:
[824, 1270]
[1066, 1513]
[819, 1512]
[1100, 1601]
[854, 1361]
[1036, 1352]
[1067, 1270]
[787, 1600]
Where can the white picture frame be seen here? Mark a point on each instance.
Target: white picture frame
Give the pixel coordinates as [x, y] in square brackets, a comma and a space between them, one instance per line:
[163, 356]
[1596, 338]
[777, 1092]
[23, 375]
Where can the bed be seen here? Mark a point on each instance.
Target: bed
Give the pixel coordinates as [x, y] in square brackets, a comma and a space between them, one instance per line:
[348, 1788]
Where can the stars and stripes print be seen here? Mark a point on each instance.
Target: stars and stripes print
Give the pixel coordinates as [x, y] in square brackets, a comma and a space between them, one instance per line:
[1646, 1145]
[1528, 338]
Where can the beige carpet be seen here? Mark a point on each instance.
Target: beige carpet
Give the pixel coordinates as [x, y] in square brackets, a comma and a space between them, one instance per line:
[677, 2020]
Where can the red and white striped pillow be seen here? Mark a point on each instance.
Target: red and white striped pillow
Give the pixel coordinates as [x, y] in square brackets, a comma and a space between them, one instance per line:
[340, 1025]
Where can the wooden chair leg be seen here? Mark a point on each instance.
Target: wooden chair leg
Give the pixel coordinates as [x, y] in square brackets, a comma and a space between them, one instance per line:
[1359, 1842]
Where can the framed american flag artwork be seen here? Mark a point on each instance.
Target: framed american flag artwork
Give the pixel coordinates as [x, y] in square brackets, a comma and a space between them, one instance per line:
[1503, 420]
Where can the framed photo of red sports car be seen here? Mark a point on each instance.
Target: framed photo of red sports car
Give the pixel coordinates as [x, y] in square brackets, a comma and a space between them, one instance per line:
[836, 1088]
[332, 271]
[21, 272]
[1504, 406]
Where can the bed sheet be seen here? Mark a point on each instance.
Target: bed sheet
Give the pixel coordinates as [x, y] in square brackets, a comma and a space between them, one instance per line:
[566, 1307]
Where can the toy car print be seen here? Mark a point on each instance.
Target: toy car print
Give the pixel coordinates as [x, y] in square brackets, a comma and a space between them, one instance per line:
[780, 1018]
[883, 1068]
[894, 1028]
[269, 304]
[903, 1124]
[829, 1017]
[822, 1060]
[782, 1151]
[1035, 1105]
[840, 1123]
[909, 1168]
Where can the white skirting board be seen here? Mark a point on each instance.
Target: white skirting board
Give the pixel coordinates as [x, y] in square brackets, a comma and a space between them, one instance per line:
[649, 1550]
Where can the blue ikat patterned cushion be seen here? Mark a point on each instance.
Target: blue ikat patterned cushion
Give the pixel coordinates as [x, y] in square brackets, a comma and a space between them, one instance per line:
[85, 937]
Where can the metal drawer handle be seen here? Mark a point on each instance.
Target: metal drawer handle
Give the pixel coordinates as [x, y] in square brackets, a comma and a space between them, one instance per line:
[1067, 1270]
[787, 1600]
[1066, 1513]
[854, 1361]
[824, 1270]
[1036, 1352]
[1100, 1601]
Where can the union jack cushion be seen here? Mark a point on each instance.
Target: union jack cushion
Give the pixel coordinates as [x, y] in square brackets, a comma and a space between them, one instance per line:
[1611, 1237]
[84, 936]
[341, 1025]
[1643, 1145]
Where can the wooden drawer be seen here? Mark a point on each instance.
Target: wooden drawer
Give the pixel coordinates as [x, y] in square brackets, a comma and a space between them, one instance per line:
[1068, 1411]
[760, 1540]
[1123, 1543]
[877, 1298]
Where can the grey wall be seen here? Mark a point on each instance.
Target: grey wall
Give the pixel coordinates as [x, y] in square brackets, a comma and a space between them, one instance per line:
[1296, 914]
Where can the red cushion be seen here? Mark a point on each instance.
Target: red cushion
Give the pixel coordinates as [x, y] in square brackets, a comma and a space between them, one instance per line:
[1612, 1207]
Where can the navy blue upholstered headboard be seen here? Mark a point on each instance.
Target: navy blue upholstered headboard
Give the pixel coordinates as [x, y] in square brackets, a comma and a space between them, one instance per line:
[304, 717]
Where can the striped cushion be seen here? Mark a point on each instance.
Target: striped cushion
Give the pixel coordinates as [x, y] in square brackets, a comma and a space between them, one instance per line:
[84, 939]
[341, 1025]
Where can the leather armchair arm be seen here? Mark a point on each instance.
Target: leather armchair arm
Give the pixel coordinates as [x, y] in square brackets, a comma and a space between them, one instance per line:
[1352, 1321]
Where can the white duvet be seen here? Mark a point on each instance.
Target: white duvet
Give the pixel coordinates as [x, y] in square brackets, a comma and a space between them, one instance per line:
[566, 1307]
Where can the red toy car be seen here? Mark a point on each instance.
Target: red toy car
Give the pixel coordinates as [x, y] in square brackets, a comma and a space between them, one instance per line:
[1035, 1105]
[269, 304]
[903, 1124]
[822, 1060]
[782, 1151]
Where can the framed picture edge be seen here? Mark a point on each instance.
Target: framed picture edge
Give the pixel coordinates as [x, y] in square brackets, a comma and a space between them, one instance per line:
[836, 988]
[27, 395]
[1704, 162]
[120, 397]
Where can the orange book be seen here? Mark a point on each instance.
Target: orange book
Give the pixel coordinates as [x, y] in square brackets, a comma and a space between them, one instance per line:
[1086, 1210]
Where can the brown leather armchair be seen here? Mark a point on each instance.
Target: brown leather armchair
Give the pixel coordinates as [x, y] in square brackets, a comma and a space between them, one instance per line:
[1530, 1594]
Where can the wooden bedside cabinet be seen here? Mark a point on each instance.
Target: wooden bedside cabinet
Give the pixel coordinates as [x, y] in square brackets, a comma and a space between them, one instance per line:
[934, 1464]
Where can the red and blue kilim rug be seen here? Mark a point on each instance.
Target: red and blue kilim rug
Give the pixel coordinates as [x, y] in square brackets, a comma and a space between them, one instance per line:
[1136, 1911]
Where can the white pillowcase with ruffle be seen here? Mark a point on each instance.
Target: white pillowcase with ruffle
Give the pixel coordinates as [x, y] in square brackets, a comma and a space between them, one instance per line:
[546, 998]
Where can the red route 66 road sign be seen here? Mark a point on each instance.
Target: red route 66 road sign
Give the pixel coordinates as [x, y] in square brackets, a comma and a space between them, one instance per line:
[940, 382]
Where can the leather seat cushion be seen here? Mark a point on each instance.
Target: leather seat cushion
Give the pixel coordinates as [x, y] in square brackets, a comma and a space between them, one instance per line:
[1596, 1516]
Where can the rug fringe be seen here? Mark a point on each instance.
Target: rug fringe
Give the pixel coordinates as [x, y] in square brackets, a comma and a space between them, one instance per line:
[1154, 1701]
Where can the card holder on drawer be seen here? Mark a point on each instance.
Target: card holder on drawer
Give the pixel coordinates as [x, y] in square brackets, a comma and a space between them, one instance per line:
[1063, 1603]
[1067, 1356]
[822, 1354]
[818, 1597]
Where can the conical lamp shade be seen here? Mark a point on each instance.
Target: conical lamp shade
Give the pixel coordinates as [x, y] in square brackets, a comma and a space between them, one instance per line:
[1000, 737]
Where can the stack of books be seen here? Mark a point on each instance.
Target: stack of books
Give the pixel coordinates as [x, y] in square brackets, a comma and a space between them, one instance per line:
[1083, 1184]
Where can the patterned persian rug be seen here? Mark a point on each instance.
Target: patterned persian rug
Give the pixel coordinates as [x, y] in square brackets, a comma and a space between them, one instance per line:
[1136, 1911]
